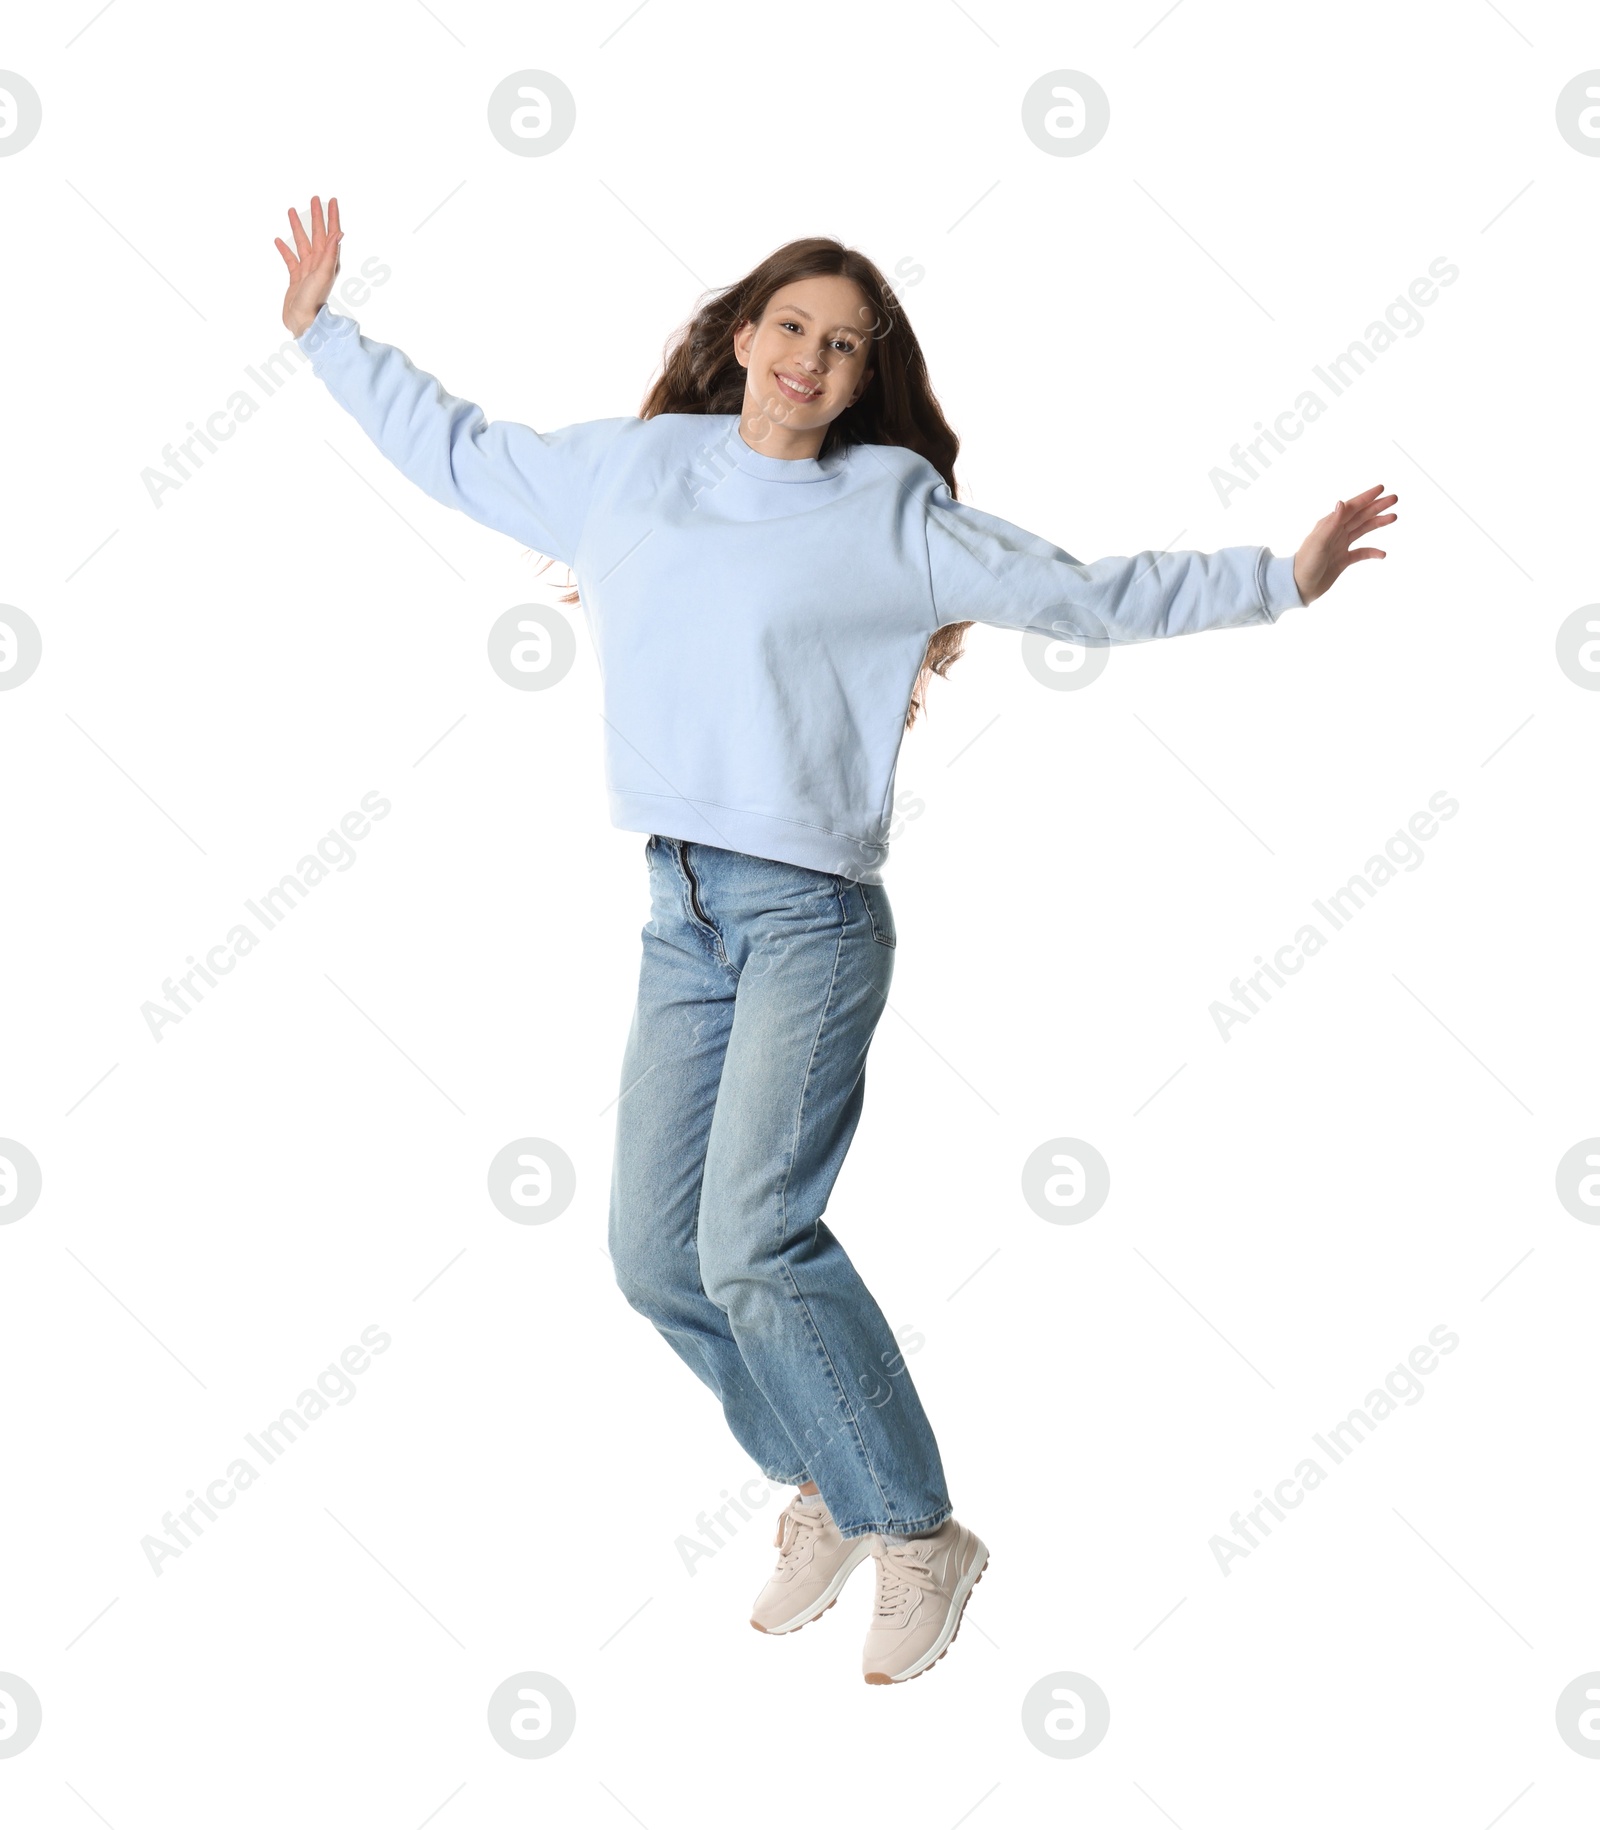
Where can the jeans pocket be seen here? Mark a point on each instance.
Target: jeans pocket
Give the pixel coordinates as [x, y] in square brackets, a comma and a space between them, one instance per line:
[879, 913]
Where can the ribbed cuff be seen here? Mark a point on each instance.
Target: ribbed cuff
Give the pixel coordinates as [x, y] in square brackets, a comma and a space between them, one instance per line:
[325, 328]
[1278, 589]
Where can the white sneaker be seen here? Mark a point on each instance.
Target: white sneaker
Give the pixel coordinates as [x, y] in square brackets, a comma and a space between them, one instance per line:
[923, 1585]
[814, 1564]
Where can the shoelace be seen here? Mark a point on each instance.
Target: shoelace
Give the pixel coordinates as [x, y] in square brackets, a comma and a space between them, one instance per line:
[902, 1569]
[798, 1523]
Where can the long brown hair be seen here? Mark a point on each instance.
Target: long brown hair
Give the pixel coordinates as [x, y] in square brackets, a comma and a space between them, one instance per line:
[701, 374]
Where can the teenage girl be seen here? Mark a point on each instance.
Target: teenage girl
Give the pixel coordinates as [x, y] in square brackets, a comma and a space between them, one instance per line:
[773, 564]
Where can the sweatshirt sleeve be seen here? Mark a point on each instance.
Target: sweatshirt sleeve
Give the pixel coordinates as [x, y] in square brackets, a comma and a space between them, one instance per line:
[535, 486]
[986, 570]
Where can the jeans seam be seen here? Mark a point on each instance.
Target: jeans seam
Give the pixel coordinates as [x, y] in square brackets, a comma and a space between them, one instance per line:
[783, 1214]
[833, 1377]
[872, 918]
[805, 1085]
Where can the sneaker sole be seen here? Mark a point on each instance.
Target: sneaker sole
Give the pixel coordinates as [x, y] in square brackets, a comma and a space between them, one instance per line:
[947, 1639]
[828, 1596]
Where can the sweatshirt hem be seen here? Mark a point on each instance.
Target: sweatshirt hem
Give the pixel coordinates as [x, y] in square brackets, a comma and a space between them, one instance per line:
[762, 835]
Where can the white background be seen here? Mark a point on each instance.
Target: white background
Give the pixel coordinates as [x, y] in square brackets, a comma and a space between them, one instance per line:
[1369, 1157]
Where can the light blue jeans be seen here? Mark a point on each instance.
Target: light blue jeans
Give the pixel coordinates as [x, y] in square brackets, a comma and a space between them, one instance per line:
[742, 1084]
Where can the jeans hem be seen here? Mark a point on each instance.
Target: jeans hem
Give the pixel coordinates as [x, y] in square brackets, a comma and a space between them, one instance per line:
[892, 1527]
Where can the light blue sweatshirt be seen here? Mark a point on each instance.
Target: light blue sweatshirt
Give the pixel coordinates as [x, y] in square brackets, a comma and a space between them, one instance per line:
[760, 621]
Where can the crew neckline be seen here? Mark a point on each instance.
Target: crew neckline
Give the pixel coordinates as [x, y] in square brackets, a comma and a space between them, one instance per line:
[775, 469]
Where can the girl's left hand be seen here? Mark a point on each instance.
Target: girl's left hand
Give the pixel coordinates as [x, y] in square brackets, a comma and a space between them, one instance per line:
[313, 266]
[1324, 553]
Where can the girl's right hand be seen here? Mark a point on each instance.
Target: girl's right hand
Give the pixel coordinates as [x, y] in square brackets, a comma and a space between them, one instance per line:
[313, 267]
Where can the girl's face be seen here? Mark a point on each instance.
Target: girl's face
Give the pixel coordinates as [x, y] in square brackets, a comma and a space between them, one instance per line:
[810, 356]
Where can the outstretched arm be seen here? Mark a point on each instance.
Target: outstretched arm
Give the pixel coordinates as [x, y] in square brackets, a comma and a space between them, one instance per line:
[535, 486]
[983, 569]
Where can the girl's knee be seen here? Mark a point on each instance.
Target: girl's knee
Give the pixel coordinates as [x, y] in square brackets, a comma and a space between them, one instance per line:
[734, 1275]
[653, 1277]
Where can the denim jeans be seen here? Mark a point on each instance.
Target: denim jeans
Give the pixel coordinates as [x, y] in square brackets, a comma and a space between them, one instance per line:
[760, 987]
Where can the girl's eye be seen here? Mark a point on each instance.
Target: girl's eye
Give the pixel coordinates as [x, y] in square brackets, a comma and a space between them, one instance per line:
[840, 343]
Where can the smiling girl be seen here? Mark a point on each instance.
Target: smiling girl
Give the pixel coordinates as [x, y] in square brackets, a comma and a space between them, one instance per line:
[772, 564]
